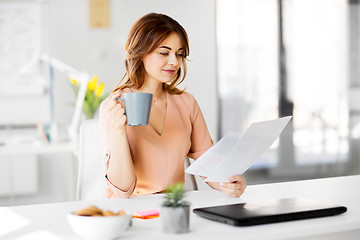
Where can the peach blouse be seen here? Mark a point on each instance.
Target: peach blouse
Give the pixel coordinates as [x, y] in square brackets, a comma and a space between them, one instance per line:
[159, 159]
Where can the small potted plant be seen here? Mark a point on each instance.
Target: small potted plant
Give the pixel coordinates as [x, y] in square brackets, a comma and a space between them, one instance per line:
[175, 211]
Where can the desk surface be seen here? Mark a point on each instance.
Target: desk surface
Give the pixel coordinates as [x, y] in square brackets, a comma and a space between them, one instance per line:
[15, 142]
[49, 220]
[35, 149]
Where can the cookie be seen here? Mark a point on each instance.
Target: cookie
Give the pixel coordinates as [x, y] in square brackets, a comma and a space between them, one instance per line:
[94, 211]
[90, 211]
[120, 212]
[109, 213]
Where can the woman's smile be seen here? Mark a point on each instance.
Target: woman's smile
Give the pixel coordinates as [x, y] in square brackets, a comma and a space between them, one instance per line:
[169, 71]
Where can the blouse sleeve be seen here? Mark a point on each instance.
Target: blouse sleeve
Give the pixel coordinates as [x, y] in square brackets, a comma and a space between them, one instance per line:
[200, 136]
[112, 191]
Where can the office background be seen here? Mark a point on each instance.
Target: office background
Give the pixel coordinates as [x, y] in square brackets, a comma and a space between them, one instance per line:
[249, 61]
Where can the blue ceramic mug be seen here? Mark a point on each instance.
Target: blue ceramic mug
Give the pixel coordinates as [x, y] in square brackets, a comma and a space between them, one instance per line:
[137, 107]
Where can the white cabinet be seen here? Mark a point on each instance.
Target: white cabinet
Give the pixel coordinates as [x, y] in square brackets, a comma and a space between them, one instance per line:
[18, 175]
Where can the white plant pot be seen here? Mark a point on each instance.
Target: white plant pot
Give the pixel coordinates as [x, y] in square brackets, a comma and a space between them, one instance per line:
[175, 220]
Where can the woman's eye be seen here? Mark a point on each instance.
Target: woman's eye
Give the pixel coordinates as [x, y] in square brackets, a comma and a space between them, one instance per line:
[180, 55]
[164, 53]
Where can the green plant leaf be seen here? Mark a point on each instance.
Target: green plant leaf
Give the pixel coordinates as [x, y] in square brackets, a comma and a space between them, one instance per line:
[174, 194]
[87, 111]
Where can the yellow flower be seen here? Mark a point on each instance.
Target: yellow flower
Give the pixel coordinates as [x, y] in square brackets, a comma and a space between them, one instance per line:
[74, 82]
[94, 95]
[92, 84]
[99, 89]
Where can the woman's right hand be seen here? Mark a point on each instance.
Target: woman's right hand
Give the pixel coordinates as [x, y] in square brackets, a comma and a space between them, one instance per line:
[113, 110]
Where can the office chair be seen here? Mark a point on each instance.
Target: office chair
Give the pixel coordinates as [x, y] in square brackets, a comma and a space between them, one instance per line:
[194, 182]
[91, 181]
[190, 181]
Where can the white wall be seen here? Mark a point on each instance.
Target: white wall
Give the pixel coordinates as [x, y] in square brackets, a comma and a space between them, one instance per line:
[101, 51]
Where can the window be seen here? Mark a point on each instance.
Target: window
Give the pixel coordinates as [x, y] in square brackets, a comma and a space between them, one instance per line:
[251, 81]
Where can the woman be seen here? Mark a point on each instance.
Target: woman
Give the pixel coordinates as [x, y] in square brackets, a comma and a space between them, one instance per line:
[146, 159]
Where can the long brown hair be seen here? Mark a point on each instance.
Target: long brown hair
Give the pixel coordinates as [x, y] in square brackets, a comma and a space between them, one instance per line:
[145, 36]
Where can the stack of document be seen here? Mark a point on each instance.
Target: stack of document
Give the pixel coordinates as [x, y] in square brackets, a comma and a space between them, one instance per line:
[235, 153]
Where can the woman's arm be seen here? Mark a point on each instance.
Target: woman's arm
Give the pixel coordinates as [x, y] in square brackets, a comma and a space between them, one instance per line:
[120, 168]
[200, 142]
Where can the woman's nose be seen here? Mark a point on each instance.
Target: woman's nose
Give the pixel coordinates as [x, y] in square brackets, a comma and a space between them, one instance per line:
[173, 60]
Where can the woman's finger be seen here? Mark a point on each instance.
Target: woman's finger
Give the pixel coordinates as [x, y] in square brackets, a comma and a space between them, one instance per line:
[237, 178]
[233, 192]
[116, 113]
[108, 104]
[112, 105]
[233, 186]
[236, 185]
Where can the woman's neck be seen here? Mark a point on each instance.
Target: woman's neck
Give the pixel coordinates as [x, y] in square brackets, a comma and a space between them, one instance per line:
[156, 89]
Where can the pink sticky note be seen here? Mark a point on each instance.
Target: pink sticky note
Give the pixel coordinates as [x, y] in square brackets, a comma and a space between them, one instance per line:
[147, 213]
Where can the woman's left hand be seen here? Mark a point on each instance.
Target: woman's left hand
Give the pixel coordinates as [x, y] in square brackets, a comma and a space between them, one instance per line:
[234, 188]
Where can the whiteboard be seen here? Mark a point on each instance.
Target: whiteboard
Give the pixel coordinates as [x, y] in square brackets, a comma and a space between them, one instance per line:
[24, 85]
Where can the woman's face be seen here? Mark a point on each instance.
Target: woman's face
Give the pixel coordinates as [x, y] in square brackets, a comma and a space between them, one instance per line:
[162, 64]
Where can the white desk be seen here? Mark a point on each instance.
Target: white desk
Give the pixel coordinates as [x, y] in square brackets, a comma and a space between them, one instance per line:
[33, 149]
[26, 141]
[48, 221]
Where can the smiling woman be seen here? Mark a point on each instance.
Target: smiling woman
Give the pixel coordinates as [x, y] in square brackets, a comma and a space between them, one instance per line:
[144, 39]
[165, 61]
[144, 160]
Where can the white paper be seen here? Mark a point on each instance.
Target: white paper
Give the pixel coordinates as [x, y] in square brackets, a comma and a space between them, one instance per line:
[235, 153]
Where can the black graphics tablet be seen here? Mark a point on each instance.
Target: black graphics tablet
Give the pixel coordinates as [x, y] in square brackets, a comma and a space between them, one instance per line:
[289, 209]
